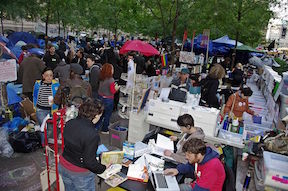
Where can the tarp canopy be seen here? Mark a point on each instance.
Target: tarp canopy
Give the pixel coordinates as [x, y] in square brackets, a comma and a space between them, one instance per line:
[23, 36]
[247, 49]
[227, 41]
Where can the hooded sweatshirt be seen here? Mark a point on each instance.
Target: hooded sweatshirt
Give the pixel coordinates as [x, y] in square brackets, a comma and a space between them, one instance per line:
[210, 172]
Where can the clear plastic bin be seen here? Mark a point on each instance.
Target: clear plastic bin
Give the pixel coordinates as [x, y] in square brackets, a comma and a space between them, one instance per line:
[230, 136]
[254, 130]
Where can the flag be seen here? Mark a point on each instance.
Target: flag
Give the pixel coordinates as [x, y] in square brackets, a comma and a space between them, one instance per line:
[185, 36]
[192, 41]
[164, 60]
[205, 38]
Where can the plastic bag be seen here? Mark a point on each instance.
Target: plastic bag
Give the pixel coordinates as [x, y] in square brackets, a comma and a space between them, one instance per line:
[5, 148]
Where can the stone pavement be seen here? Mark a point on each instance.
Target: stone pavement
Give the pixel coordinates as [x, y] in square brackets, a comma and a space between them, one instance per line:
[22, 171]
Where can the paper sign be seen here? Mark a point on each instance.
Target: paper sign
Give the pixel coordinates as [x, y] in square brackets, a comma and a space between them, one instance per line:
[187, 57]
[8, 71]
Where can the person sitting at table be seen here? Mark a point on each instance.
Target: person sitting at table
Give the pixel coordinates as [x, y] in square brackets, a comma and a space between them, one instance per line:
[203, 165]
[237, 103]
[186, 123]
[180, 86]
[78, 162]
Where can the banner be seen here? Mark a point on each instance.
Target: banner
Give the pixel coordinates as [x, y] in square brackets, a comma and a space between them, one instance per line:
[205, 38]
[8, 71]
[185, 36]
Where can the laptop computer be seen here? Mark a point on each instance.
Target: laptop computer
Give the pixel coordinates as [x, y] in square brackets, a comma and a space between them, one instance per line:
[162, 182]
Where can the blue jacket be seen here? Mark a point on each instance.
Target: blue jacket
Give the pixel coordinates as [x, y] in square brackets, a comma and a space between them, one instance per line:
[211, 173]
[55, 86]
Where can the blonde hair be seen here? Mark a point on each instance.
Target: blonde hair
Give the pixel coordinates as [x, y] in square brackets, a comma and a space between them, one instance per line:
[217, 72]
[239, 66]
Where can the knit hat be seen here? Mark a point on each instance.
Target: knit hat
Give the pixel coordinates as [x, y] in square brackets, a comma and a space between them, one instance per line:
[185, 71]
[76, 68]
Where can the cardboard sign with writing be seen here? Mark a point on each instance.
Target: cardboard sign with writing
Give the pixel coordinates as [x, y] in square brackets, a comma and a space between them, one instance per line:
[187, 57]
[8, 70]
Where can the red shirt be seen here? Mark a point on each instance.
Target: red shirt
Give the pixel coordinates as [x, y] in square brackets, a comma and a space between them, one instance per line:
[68, 165]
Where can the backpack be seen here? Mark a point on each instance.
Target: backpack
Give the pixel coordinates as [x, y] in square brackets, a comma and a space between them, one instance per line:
[77, 95]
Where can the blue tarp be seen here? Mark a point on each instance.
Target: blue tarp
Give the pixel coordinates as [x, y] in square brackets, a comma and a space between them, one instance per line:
[17, 51]
[37, 51]
[24, 36]
[12, 95]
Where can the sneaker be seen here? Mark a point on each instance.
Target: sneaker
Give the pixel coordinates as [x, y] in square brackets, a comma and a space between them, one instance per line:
[105, 132]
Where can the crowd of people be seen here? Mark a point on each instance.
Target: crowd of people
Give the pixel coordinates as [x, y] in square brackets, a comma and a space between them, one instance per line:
[56, 80]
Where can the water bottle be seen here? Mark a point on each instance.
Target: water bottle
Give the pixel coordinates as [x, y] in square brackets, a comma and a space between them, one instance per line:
[225, 123]
[247, 181]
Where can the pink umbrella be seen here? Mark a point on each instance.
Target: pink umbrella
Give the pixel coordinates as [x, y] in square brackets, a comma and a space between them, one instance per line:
[139, 46]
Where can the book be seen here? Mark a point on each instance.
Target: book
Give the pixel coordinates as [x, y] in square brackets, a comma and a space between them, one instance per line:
[126, 162]
[140, 149]
[116, 179]
[112, 157]
[138, 172]
[112, 175]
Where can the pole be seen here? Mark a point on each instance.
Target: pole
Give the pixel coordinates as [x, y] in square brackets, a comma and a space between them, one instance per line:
[192, 41]
[208, 35]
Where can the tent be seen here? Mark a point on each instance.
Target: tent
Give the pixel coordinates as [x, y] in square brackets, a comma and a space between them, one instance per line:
[225, 40]
[247, 49]
[23, 36]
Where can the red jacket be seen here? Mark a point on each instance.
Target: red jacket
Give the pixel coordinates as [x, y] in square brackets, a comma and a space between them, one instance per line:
[211, 172]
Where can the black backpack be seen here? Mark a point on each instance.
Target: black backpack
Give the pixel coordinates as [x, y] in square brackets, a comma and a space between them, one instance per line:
[26, 142]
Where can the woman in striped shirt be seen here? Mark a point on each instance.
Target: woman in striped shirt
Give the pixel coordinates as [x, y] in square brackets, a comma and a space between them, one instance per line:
[43, 93]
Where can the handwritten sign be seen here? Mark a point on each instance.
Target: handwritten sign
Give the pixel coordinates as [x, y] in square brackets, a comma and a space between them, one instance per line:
[187, 57]
[8, 71]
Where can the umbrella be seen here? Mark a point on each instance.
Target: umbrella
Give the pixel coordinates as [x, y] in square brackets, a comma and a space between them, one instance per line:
[247, 49]
[139, 46]
[7, 51]
[226, 40]
[37, 51]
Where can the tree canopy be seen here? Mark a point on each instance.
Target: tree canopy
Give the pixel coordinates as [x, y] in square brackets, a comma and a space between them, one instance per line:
[244, 20]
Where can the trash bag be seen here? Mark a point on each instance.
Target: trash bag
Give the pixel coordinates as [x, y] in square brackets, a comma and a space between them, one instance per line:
[12, 126]
[5, 148]
[26, 142]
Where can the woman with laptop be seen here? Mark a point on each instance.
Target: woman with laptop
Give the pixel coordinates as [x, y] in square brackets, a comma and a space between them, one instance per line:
[186, 123]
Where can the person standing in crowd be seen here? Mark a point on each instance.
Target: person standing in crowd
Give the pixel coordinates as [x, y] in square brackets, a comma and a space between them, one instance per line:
[23, 54]
[203, 165]
[209, 87]
[62, 71]
[78, 164]
[94, 75]
[237, 77]
[180, 86]
[238, 103]
[43, 93]
[51, 59]
[149, 68]
[30, 70]
[186, 123]
[75, 90]
[140, 63]
[107, 89]
[79, 59]
[226, 64]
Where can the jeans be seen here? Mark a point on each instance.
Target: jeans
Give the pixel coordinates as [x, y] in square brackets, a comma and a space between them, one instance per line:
[77, 181]
[108, 109]
[185, 187]
[41, 114]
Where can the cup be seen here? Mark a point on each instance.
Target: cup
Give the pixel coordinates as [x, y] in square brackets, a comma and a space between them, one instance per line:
[50, 100]
[244, 156]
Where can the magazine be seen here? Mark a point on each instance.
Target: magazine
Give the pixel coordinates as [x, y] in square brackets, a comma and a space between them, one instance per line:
[116, 179]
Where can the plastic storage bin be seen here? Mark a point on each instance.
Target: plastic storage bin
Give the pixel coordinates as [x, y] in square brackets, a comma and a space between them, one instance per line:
[253, 130]
[118, 133]
[230, 136]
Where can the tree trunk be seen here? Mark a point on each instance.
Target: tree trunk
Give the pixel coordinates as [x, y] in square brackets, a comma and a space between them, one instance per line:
[46, 24]
[162, 19]
[22, 24]
[237, 33]
[2, 26]
[59, 23]
[175, 22]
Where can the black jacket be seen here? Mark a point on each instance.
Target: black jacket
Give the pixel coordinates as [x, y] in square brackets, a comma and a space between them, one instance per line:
[51, 61]
[94, 77]
[81, 142]
[209, 87]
